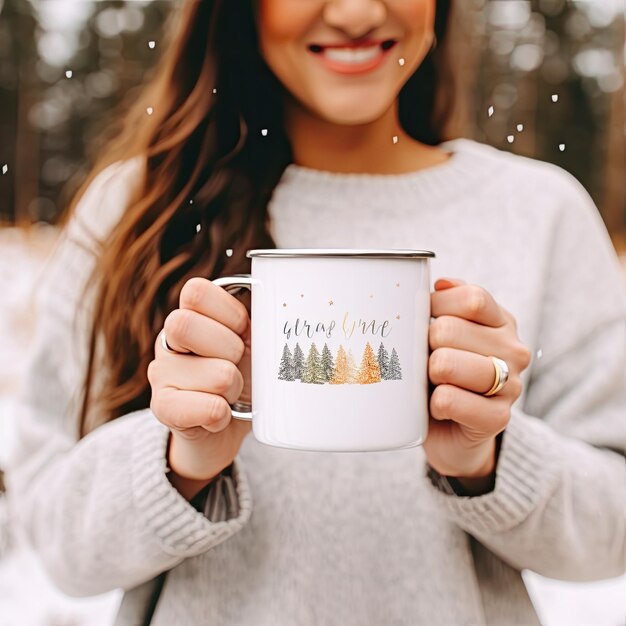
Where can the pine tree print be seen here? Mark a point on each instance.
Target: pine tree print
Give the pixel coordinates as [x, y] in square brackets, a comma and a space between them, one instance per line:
[383, 361]
[298, 362]
[353, 373]
[369, 372]
[327, 364]
[395, 371]
[340, 373]
[285, 369]
[313, 367]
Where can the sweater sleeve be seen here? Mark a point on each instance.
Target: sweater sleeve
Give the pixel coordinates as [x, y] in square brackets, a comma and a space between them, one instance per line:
[559, 502]
[100, 512]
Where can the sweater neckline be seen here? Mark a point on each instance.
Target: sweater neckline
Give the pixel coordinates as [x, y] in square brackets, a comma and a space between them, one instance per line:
[462, 169]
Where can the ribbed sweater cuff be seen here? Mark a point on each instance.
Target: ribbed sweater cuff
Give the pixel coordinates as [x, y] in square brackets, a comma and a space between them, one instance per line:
[526, 475]
[179, 528]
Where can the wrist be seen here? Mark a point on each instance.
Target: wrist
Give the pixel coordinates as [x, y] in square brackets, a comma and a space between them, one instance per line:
[189, 486]
[193, 461]
[483, 480]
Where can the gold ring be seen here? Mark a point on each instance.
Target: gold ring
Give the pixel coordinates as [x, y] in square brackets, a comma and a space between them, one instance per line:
[501, 376]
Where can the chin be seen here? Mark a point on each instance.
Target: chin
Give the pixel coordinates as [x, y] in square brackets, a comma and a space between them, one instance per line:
[351, 113]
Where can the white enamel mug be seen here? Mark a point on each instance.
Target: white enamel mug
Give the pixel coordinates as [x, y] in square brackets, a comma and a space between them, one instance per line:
[339, 348]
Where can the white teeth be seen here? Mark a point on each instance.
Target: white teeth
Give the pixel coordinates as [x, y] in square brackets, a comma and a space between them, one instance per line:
[349, 55]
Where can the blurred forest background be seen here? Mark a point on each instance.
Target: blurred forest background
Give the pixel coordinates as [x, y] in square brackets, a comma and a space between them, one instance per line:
[545, 79]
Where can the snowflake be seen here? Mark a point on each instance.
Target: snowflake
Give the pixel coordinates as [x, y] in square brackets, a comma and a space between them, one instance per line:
[401, 61]
[510, 138]
[151, 45]
[490, 111]
[5, 168]
[68, 73]
[395, 139]
[149, 110]
[520, 128]
[555, 97]
[264, 132]
[229, 252]
[562, 147]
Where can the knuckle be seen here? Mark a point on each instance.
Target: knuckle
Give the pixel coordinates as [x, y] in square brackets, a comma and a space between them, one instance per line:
[502, 416]
[177, 323]
[224, 377]
[523, 355]
[441, 331]
[238, 350]
[476, 300]
[443, 400]
[510, 317]
[216, 408]
[154, 406]
[176, 418]
[241, 317]
[158, 406]
[515, 386]
[442, 363]
[151, 372]
[192, 292]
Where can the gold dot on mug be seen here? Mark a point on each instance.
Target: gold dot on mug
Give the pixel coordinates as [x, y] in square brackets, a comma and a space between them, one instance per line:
[397, 284]
[330, 302]
[371, 295]
[397, 317]
[302, 295]
[284, 304]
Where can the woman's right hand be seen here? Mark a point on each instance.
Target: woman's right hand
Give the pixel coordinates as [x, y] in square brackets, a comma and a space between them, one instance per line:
[191, 393]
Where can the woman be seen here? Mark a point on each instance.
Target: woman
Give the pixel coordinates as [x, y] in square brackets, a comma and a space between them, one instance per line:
[265, 131]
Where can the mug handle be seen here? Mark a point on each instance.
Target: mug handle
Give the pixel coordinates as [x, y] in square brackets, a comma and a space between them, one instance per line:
[230, 284]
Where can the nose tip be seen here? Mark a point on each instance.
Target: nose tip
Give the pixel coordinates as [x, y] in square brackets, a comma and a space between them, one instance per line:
[357, 18]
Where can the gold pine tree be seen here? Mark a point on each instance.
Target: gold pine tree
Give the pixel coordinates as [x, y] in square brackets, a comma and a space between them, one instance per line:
[370, 370]
[352, 377]
[340, 373]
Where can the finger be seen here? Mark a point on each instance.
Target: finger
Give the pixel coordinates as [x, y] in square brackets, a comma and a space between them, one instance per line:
[456, 332]
[446, 283]
[470, 302]
[181, 409]
[201, 295]
[477, 414]
[195, 373]
[189, 331]
[467, 370]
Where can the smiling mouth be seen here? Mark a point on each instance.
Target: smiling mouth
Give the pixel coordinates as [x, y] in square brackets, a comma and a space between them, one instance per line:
[361, 53]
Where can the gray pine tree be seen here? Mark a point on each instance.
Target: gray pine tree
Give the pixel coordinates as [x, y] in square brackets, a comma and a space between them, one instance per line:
[328, 364]
[313, 367]
[383, 361]
[298, 362]
[395, 371]
[285, 369]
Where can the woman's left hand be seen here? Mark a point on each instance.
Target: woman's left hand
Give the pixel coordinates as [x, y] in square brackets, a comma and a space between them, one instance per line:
[469, 327]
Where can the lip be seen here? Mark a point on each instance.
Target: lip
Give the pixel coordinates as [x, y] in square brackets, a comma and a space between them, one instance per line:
[353, 68]
[362, 43]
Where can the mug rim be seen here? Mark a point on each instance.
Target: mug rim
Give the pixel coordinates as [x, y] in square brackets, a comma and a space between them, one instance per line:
[341, 252]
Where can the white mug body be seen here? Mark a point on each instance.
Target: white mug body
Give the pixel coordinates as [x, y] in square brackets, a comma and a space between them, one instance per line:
[340, 349]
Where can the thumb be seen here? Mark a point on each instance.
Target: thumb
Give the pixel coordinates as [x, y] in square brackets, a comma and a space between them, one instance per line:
[446, 283]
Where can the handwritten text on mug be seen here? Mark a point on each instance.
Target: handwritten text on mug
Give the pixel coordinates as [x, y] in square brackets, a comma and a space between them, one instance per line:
[348, 327]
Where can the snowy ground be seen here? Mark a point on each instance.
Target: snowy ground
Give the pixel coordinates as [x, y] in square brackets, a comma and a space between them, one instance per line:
[27, 598]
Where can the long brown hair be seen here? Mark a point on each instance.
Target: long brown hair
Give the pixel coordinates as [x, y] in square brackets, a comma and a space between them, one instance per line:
[206, 162]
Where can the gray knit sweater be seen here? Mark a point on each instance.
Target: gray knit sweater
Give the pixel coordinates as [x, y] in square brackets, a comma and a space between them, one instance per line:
[335, 539]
